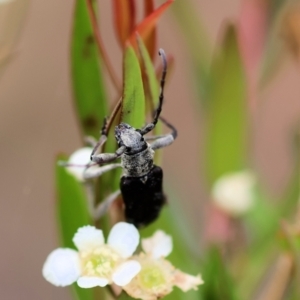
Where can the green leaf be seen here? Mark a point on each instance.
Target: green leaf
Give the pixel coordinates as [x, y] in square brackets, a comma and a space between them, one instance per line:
[150, 72]
[72, 205]
[153, 89]
[198, 42]
[88, 85]
[218, 283]
[272, 56]
[133, 105]
[132, 110]
[124, 296]
[274, 43]
[290, 198]
[72, 213]
[226, 114]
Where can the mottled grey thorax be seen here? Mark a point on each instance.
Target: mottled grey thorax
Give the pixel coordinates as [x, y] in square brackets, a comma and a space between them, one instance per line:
[138, 164]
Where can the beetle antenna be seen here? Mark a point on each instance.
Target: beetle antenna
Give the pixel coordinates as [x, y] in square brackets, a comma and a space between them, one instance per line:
[102, 139]
[162, 54]
[157, 112]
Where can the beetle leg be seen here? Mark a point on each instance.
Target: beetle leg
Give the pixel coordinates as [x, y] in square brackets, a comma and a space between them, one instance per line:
[153, 137]
[104, 158]
[103, 207]
[96, 171]
[164, 140]
[92, 172]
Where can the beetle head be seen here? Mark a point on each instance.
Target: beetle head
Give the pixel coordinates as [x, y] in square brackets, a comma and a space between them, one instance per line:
[130, 137]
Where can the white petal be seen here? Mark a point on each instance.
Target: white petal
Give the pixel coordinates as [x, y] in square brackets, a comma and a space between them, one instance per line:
[88, 237]
[79, 159]
[186, 282]
[124, 238]
[62, 267]
[125, 272]
[159, 245]
[89, 282]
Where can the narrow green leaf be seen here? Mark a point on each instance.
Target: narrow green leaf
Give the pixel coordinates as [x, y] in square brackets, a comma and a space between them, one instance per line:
[152, 88]
[272, 57]
[72, 205]
[274, 43]
[72, 213]
[276, 6]
[227, 119]
[133, 105]
[150, 72]
[218, 283]
[132, 110]
[198, 42]
[88, 84]
[124, 296]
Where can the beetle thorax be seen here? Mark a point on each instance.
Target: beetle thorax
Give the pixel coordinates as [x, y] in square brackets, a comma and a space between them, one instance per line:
[138, 164]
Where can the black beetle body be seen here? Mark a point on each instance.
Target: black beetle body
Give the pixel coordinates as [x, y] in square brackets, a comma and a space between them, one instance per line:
[143, 197]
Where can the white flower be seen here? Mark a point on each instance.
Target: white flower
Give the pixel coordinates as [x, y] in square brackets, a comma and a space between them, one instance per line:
[78, 160]
[95, 263]
[158, 276]
[233, 192]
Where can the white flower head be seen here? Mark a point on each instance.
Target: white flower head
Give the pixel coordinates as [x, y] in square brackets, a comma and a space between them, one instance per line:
[95, 263]
[233, 192]
[78, 160]
[158, 276]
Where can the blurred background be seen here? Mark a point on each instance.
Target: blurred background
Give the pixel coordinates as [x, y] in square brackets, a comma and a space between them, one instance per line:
[37, 122]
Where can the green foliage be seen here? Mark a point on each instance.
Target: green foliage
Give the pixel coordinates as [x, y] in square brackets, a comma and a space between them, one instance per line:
[132, 108]
[151, 89]
[89, 92]
[226, 114]
[72, 213]
[133, 104]
[124, 296]
[222, 90]
[198, 42]
[151, 80]
[71, 205]
[218, 282]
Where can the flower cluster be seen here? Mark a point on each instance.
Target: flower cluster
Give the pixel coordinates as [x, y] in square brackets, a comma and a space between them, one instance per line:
[95, 263]
[158, 276]
[145, 276]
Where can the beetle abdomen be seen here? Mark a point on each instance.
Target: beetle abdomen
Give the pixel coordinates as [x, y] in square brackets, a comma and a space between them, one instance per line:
[143, 197]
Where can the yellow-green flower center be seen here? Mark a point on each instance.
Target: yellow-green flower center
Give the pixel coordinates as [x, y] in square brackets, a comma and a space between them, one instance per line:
[152, 277]
[99, 262]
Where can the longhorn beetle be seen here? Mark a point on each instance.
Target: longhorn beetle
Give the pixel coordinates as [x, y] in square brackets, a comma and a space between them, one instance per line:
[141, 182]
